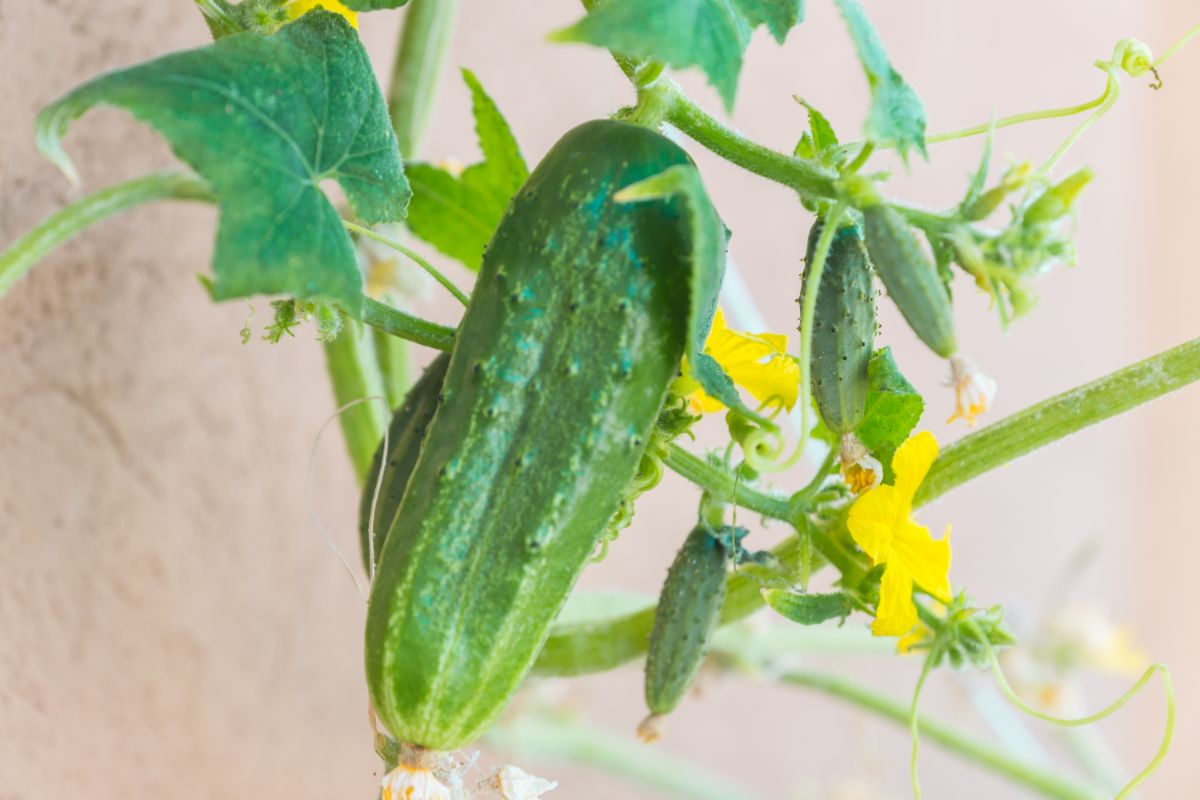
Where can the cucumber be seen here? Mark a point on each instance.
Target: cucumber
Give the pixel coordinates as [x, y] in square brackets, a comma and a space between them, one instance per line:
[405, 434]
[689, 607]
[581, 314]
[843, 334]
[911, 279]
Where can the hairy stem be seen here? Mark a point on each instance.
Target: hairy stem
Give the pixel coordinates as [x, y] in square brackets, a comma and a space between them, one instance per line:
[428, 25]
[395, 322]
[955, 741]
[62, 225]
[1060, 416]
[354, 372]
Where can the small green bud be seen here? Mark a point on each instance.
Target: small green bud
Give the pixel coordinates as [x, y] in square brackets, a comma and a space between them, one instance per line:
[1058, 200]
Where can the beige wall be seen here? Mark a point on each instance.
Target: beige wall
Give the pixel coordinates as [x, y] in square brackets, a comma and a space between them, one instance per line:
[171, 623]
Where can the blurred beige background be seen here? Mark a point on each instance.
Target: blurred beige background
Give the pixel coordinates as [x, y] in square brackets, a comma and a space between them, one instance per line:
[171, 623]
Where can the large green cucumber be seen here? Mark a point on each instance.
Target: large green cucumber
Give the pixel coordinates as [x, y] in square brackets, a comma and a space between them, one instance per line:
[577, 324]
[405, 435]
[689, 607]
[843, 333]
[911, 278]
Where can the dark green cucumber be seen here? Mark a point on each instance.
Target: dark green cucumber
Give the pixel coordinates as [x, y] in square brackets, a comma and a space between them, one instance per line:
[689, 607]
[843, 333]
[911, 279]
[405, 434]
[576, 326]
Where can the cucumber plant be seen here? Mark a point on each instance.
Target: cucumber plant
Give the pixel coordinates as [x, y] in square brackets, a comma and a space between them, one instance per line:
[585, 353]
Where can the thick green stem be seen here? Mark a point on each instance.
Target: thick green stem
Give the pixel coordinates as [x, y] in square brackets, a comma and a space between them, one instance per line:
[395, 322]
[354, 372]
[1060, 416]
[428, 25]
[956, 741]
[61, 226]
[803, 176]
[554, 737]
[725, 485]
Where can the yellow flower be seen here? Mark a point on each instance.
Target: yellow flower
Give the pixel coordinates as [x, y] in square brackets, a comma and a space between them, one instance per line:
[881, 522]
[298, 8]
[758, 362]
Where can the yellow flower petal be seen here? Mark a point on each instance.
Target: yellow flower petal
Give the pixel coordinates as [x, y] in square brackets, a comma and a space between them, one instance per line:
[924, 559]
[873, 520]
[778, 380]
[298, 8]
[896, 614]
[911, 463]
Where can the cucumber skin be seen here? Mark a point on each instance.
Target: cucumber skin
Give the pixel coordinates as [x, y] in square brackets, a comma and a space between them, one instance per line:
[911, 279]
[575, 329]
[406, 432]
[843, 328]
[689, 608]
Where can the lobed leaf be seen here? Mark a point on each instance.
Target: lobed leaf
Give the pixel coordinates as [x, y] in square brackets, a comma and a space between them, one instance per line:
[894, 408]
[897, 115]
[458, 214]
[264, 120]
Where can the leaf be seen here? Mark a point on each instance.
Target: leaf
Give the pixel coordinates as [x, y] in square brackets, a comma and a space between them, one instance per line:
[459, 214]
[265, 119]
[894, 408]
[897, 114]
[820, 137]
[709, 34]
[807, 609]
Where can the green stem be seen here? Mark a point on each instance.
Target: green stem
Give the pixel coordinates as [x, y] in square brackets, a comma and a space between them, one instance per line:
[350, 359]
[723, 484]
[62, 225]
[395, 365]
[413, 256]
[952, 739]
[803, 176]
[556, 737]
[395, 322]
[1060, 416]
[428, 25]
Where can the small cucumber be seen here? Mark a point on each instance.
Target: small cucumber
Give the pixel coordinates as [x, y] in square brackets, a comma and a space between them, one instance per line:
[689, 607]
[581, 314]
[405, 434]
[843, 328]
[911, 279]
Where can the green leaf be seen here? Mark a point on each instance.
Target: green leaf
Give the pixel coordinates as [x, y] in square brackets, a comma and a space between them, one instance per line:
[265, 119]
[897, 114]
[820, 137]
[709, 34]
[894, 408]
[459, 214]
[807, 609]
[373, 5]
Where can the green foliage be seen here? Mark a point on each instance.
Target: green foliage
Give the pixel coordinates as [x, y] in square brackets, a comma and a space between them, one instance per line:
[897, 114]
[894, 408]
[373, 5]
[709, 34]
[458, 214]
[819, 143]
[264, 120]
[808, 609]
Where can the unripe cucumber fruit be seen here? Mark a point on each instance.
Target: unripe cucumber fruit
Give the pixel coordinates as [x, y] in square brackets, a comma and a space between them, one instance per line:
[843, 333]
[405, 434]
[576, 326]
[689, 607]
[911, 279]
